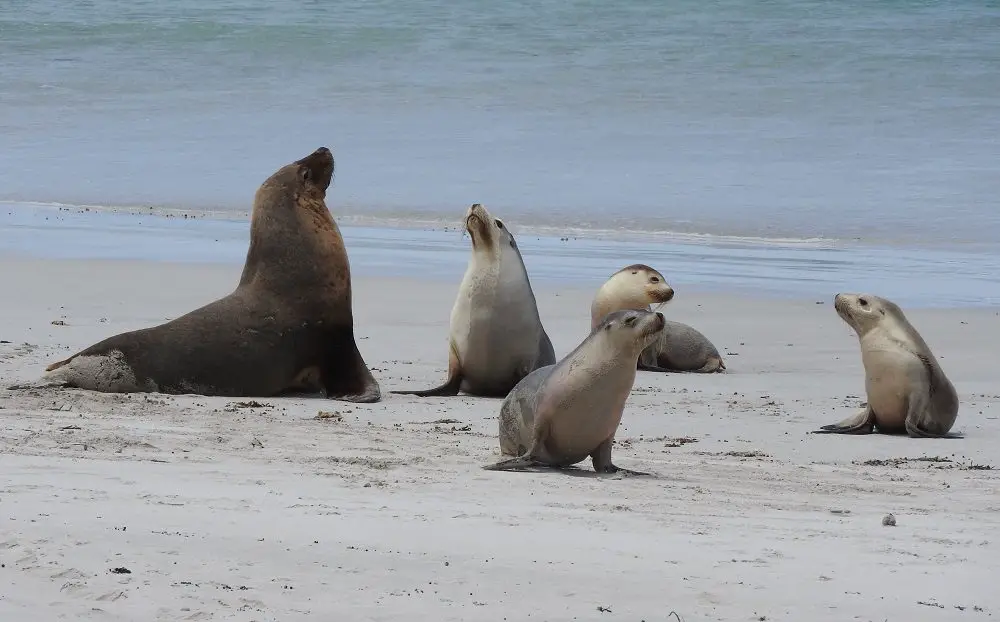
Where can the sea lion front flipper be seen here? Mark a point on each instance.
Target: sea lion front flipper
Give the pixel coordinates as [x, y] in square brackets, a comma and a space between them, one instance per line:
[861, 423]
[347, 377]
[450, 387]
[601, 459]
[43, 383]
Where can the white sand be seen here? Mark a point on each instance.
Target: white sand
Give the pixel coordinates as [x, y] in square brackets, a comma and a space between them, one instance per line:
[227, 513]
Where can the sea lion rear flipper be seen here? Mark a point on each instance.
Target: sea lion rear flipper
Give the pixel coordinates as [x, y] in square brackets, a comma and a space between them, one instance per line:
[861, 423]
[712, 366]
[49, 380]
[518, 463]
[915, 411]
[914, 431]
[40, 384]
[535, 457]
[654, 368]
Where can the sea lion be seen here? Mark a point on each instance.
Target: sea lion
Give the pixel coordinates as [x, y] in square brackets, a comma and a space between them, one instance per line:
[496, 336]
[906, 388]
[560, 414]
[680, 348]
[288, 325]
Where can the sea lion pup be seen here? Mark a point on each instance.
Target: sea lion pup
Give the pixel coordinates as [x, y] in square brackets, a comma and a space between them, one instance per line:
[906, 388]
[680, 347]
[288, 325]
[496, 336]
[560, 414]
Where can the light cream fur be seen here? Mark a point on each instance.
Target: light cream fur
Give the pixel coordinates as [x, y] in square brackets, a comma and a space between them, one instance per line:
[906, 388]
[633, 287]
[572, 410]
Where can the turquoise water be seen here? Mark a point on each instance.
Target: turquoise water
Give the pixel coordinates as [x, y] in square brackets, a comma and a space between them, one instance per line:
[871, 121]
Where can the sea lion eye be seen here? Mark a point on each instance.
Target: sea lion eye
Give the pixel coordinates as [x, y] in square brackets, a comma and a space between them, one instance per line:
[499, 224]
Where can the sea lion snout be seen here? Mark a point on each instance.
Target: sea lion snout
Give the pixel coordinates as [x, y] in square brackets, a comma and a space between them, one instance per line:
[841, 304]
[320, 165]
[651, 323]
[665, 294]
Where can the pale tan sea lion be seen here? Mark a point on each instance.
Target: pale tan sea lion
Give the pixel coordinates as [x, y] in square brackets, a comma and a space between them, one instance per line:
[560, 414]
[496, 335]
[680, 347]
[288, 326]
[906, 388]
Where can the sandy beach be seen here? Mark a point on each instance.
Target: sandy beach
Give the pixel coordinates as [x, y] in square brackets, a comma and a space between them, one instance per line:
[154, 507]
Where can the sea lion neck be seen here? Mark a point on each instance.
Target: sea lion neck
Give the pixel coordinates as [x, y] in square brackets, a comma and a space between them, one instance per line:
[290, 216]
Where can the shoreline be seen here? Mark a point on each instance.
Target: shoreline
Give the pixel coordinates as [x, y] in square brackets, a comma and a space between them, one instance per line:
[419, 220]
[437, 250]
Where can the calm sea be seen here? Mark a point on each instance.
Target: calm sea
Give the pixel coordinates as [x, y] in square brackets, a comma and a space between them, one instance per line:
[867, 119]
[850, 121]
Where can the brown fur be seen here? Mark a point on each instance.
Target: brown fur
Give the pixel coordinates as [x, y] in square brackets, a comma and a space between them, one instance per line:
[288, 326]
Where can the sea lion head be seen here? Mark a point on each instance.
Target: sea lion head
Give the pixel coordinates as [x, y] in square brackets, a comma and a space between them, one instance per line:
[307, 179]
[291, 226]
[633, 287]
[631, 329]
[487, 232]
[646, 279]
[862, 312]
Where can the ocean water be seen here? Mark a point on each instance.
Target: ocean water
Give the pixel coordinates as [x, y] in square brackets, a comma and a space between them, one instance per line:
[793, 146]
[870, 120]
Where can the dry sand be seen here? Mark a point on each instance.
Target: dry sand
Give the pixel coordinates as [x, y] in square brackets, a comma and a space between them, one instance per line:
[222, 510]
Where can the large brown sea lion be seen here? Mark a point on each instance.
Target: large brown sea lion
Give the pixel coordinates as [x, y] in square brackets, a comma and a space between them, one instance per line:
[287, 327]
